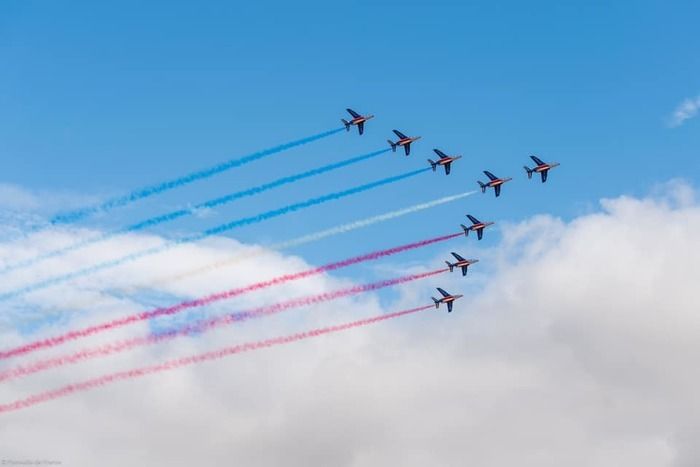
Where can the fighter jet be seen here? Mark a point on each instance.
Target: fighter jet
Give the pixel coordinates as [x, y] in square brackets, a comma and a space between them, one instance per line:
[461, 263]
[446, 298]
[357, 119]
[404, 141]
[476, 226]
[444, 160]
[541, 167]
[494, 182]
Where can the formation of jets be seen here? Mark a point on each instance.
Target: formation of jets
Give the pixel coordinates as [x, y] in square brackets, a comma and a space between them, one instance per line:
[446, 161]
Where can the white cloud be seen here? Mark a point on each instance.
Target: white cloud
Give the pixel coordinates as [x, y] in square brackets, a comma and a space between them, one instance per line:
[580, 350]
[14, 197]
[17, 198]
[685, 110]
[23, 210]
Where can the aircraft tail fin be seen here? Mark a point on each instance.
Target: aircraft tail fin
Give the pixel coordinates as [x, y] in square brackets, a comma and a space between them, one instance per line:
[346, 123]
[433, 164]
[436, 301]
[450, 265]
[393, 145]
[528, 170]
[483, 187]
[466, 230]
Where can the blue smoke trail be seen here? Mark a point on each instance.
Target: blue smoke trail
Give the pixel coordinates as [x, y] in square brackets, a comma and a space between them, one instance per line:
[210, 232]
[186, 212]
[184, 180]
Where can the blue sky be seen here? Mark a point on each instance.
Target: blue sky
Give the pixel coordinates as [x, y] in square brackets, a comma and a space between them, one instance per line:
[99, 99]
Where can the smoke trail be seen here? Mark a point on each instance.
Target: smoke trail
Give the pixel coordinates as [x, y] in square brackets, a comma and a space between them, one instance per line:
[205, 325]
[186, 212]
[313, 237]
[208, 233]
[184, 180]
[369, 221]
[225, 295]
[193, 359]
[289, 244]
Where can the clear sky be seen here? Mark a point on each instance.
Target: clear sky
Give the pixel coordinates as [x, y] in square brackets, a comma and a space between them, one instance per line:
[97, 99]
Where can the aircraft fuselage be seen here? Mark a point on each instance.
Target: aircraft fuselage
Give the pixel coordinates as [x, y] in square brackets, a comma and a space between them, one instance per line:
[451, 298]
[447, 160]
[498, 182]
[543, 167]
[405, 141]
[358, 120]
[481, 225]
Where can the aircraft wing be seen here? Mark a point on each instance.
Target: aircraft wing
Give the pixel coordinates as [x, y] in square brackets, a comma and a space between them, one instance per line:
[498, 190]
[353, 113]
[448, 166]
[544, 175]
[440, 154]
[399, 134]
[473, 219]
[361, 127]
[464, 270]
[537, 160]
[459, 258]
[480, 234]
[444, 294]
[449, 307]
[490, 175]
[407, 149]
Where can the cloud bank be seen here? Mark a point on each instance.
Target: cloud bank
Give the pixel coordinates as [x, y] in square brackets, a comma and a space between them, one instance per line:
[578, 348]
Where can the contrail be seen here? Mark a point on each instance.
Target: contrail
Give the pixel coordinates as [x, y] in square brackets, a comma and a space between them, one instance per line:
[146, 192]
[212, 298]
[205, 325]
[171, 216]
[194, 359]
[208, 233]
[313, 237]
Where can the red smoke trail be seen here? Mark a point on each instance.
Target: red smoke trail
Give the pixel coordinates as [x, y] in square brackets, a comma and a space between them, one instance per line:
[146, 315]
[203, 357]
[205, 325]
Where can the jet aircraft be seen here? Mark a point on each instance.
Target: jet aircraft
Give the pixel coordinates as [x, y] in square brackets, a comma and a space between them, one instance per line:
[494, 182]
[357, 119]
[404, 141]
[476, 226]
[461, 263]
[446, 298]
[541, 167]
[445, 161]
